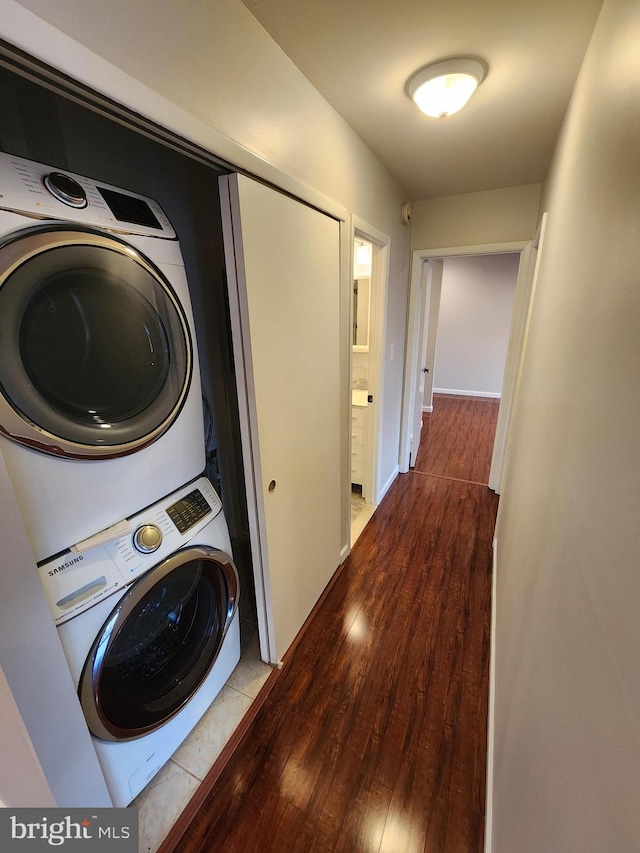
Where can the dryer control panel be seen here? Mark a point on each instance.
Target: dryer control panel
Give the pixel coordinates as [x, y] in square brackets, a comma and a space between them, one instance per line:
[75, 581]
[45, 192]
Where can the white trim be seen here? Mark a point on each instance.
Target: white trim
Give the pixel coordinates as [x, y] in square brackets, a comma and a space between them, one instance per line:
[428, 311]
[419, 256]
[482, 249]
[33, 35]
[411, 361]
[370, 232]
[493, 394]
[390, 482]
[247, 416]
[525, 296]
[512, 360]
[427, 409]
[491, 721]
[346, 356]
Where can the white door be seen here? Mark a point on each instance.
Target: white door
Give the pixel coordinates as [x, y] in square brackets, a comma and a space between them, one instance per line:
[283, 269]
[431, 288]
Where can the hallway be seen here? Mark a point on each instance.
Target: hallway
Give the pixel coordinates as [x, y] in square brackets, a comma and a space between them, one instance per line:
[373, 738]
[457, 438]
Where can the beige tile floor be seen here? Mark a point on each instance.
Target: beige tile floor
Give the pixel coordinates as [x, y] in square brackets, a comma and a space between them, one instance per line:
[163, 800]
[361, 513]
[357, 505]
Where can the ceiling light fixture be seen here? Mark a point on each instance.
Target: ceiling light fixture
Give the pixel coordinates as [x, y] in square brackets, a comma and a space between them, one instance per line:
[444, 87]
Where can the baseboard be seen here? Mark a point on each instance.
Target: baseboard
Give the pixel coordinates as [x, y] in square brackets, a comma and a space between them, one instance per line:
[344, 552]
[428, 409]
[388, 484]
[488, 821]
[495, 395]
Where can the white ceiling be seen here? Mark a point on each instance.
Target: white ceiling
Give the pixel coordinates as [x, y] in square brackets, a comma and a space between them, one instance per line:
[360, 53]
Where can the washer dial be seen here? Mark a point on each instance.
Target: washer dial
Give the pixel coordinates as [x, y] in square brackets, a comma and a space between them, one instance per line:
[65, 189]
[147, 538]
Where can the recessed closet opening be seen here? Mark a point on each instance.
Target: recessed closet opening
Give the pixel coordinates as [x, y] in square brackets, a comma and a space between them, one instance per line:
[46, 126]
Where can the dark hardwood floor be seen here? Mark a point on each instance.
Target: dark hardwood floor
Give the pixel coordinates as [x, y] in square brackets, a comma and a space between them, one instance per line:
[457, 438]
[373, 738]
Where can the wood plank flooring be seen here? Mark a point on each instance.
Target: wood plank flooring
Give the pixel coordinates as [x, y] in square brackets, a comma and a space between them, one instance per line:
[457, 438]
[373, 738]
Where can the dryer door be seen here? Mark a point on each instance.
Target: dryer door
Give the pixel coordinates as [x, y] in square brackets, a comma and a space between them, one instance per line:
[159, 644]
[95, 351]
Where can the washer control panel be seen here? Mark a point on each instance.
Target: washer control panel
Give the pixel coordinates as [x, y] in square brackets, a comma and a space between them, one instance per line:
[45, 192]
[189, 511]
[76, 580]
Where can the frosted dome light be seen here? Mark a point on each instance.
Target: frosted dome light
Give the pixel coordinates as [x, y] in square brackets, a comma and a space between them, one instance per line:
[443, 88]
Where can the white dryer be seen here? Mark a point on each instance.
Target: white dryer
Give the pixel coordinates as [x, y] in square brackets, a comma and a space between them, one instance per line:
[100, 397]
[150, 628]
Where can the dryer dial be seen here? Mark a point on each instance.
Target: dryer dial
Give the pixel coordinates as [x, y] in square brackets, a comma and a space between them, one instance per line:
[65, 189]
[147, 538]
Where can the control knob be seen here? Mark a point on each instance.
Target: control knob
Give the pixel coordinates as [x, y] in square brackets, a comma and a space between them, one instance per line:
[147, 538]
[65, 189]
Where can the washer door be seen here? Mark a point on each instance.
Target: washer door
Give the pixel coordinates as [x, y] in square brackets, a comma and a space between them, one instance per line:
[159, 644]
[95, 351]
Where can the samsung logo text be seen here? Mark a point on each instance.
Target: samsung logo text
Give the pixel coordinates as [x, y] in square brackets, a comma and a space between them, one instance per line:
[64, 566]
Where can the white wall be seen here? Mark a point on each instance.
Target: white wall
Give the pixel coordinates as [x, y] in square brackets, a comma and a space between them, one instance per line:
[476, 304]
[567, 690]
[39, 681]
[22, 782]
[506, 215]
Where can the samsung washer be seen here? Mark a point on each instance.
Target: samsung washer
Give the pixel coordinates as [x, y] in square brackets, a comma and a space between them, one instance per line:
[100, 396]
[150, 628]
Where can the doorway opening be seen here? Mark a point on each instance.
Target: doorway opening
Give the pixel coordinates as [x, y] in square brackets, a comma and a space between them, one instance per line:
[369, 274]
[469, 315]
[466, 319]
[362, 262]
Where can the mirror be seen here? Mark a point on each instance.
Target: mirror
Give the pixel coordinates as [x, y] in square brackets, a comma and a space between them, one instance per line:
[362, 256]
[361, 294]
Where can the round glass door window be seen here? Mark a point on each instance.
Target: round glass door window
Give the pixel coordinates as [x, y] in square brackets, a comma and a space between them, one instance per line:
[96, 352]
[159, 644]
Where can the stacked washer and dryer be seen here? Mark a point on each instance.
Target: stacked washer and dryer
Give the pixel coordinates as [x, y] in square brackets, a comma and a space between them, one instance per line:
[102, 435]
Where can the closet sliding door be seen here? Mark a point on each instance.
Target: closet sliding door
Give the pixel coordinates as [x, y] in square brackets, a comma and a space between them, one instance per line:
[283, 270]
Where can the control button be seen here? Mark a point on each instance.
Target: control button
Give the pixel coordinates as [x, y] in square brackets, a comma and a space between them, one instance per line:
[188, 511]
[65, 189]
[147, 538]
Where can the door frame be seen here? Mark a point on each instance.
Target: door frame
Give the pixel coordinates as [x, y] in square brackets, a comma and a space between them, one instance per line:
[429, 309]
[431, 314]
[381, 244]
[521, 336]
[418, 259]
